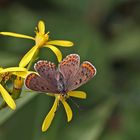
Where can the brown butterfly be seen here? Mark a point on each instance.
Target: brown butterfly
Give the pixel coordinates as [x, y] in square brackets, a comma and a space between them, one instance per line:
[69, 75]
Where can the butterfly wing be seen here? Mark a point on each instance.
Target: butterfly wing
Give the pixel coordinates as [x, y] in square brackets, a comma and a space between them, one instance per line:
[47, 72]
[46, 69]
[37, 83]
[86, 72]
[69, 67]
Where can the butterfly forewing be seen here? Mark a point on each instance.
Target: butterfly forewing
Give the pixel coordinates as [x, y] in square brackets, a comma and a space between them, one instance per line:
[69, 67]
[84, 74]
[47, 72]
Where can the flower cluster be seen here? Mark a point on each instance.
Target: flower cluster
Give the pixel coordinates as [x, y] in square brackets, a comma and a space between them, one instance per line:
[41, 40]
[5, 75]
[18, 74]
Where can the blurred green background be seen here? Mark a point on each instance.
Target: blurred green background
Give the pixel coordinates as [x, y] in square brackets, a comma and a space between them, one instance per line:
[107, 33]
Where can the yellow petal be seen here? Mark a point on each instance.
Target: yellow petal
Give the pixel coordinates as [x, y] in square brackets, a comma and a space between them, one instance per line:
[62, 43]
[23, 74]
[47, 122]
[16, 35]
[13, 69]
[41, 27]
[8, 99]
[28, 56]
[77, 94]
[56, 51]
[68, 110]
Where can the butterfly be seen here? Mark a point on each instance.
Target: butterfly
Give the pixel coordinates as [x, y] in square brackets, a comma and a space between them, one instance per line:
[67, 77]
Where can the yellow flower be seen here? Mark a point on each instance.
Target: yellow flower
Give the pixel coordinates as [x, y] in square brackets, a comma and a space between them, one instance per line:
[41, 40]
[4, 76]
[48, 119]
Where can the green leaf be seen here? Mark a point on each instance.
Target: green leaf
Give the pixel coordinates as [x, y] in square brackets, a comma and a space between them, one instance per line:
[6, 113]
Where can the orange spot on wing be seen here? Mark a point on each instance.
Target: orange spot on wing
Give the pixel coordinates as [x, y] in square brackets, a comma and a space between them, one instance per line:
[70, 58]
[89, 67]
[29, 77]
[45, 64]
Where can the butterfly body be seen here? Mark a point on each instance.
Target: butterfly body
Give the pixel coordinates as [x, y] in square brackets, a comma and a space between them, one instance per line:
[69, 75]
[61, 85]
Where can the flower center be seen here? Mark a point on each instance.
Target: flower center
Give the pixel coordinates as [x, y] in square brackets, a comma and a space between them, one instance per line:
[18, 83]
[62, 96]
[41, 39]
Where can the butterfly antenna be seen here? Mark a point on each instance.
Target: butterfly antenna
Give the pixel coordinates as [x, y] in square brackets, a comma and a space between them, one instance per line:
[75, 104]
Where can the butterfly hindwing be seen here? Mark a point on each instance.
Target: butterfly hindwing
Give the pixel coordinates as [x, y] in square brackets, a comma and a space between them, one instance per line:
[84, 74]
[37, 83]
